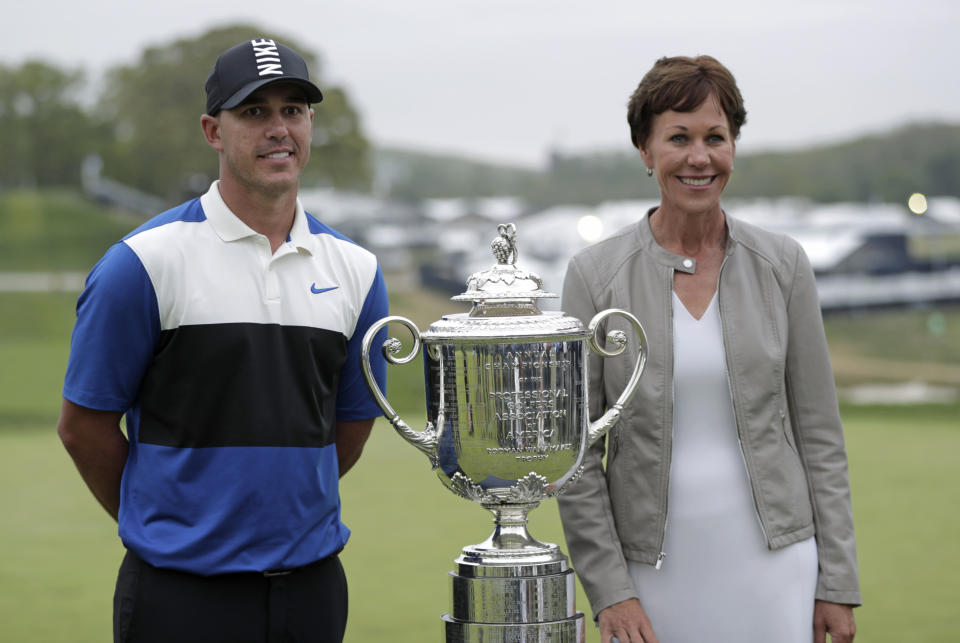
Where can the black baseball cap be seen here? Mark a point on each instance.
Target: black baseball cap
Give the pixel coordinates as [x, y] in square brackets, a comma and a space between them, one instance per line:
[245, 68]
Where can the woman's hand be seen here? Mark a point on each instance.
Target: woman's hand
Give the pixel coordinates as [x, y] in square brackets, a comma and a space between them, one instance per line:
[833, 618]
[627, 622]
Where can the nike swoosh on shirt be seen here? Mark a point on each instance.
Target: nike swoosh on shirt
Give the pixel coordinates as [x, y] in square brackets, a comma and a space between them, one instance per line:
[317, 291]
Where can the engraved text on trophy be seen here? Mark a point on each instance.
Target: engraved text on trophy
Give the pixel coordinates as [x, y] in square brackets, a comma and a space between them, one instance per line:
[504, 406]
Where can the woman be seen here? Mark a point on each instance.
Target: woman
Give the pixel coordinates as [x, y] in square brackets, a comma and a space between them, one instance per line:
[724, 510]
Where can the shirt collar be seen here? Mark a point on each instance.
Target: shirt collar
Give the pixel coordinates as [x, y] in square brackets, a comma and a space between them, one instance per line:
[229, 227]
[300, 235]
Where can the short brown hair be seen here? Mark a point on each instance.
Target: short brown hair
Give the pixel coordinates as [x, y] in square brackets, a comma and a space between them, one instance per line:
[682, 84]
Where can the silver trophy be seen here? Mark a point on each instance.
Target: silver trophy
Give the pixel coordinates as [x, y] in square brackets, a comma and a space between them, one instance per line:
[507, 426]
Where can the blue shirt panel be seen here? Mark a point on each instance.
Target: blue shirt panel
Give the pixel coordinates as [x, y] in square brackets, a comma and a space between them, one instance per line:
[238, 508]
[190, 211]
[117, 328]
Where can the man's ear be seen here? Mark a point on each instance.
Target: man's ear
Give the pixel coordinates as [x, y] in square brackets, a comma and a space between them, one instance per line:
[211, 131]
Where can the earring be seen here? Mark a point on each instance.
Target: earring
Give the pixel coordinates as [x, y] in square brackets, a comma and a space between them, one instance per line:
[649, 171]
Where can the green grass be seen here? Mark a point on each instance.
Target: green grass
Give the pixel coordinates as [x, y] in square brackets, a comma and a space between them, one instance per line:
[61, 550]
[903, 467]
[932, 333]
[56, 230]
[897, 345]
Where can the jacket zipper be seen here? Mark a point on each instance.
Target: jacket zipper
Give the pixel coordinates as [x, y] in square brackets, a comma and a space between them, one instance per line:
[753, 492]
[666, 499]
[736, 414]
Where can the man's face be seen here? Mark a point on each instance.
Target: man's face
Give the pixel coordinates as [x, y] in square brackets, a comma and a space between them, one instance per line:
[264, 142]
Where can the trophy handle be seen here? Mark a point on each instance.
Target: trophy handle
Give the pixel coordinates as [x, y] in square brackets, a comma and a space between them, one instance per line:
[599, 428]
[425, 440]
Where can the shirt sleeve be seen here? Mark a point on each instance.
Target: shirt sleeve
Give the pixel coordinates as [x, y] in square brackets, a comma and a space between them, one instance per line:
[354, 399]
[116, 332]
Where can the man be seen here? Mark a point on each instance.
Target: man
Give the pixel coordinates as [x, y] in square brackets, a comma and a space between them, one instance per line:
[228, 331]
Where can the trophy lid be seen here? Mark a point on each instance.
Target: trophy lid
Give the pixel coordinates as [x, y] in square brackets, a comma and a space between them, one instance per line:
[504, 289]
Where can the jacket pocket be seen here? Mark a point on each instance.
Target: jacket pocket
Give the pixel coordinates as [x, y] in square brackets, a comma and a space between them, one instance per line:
[787, 429]
[613, 444]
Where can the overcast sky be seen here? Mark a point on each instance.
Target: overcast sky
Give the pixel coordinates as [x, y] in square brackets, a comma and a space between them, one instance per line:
[509, 80]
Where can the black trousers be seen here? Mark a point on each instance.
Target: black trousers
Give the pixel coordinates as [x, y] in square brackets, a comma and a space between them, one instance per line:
[306, 605]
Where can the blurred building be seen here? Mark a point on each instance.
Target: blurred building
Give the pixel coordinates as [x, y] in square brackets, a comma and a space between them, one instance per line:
[864, 255]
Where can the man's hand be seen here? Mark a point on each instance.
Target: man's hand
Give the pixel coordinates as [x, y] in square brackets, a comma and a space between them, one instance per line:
[834, 619]
[627, 622]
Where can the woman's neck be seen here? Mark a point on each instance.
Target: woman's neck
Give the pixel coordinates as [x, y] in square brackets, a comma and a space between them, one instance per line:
[691, 235]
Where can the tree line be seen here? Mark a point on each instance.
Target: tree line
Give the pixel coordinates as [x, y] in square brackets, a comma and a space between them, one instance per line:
[144, 124]
[885, 167]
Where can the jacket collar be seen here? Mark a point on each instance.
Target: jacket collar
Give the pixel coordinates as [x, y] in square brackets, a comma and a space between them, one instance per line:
[675, 261]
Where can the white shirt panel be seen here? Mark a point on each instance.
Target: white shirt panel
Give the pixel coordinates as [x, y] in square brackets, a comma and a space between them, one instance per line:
[315, 280]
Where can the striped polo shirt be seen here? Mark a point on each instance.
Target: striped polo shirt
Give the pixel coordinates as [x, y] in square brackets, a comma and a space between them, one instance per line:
[233, 364]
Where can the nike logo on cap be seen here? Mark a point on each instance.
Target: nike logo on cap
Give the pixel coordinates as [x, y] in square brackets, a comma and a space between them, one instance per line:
[317, 291]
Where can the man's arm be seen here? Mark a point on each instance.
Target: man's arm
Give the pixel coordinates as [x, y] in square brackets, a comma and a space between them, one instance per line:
[351, 436]
[98, 448]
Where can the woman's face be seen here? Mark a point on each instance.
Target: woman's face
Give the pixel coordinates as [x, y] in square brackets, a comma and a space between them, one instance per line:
[692, 156]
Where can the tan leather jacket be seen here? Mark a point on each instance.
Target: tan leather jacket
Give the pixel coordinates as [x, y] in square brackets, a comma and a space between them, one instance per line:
[784, 401]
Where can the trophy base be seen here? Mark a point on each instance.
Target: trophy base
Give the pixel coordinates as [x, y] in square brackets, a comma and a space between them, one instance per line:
[524, 594]
[569, 630]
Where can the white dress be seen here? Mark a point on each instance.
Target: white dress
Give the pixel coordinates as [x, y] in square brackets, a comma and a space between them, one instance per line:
[718, 581]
